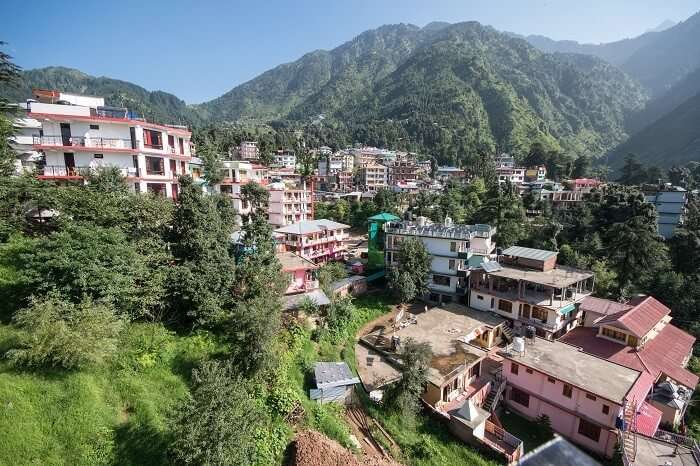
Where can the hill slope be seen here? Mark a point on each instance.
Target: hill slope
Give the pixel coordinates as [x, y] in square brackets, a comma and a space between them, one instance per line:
[156, 105]
[459, 85]
[671, 140]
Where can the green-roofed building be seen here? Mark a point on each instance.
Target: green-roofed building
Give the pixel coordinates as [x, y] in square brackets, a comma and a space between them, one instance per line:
[375, 239]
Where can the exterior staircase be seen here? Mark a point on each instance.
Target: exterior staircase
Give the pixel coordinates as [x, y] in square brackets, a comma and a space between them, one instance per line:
[498, 385]
[507, 333]
[628, 434]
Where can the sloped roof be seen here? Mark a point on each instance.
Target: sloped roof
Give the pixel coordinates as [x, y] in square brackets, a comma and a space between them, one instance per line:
[307, 227]
[529, 253]
[663, 354]
[648, 419]
[333, 374]
[641, 318]
[384, 216]
[556, 452]
[291, 261]
[602, 306]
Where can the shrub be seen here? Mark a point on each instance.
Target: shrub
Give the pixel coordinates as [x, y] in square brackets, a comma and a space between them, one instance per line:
[62, 334]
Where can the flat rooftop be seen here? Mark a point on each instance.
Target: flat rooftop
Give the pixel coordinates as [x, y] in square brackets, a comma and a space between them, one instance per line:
[558, 277]
[565, 362]
[447, 330]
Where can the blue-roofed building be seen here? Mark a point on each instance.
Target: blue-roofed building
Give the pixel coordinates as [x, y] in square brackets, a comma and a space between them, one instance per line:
[334, 383]
[670, 204]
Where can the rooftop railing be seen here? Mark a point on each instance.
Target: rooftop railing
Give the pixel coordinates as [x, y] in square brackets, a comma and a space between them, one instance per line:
[82, 141]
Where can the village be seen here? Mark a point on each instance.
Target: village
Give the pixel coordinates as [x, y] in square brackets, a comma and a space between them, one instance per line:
[512, 332]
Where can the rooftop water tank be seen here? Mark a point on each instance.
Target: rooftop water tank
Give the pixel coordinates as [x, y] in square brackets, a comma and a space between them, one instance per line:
[519, 344]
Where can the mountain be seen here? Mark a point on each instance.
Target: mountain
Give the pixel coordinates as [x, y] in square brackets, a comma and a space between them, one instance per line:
[156, 106]
[671, 140]
[658, 59]
[665, 61]
[666, 24]
[448, 88]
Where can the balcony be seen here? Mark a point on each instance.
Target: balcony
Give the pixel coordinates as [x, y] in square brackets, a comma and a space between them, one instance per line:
[500, 440]
[81, 142]
[63, 172]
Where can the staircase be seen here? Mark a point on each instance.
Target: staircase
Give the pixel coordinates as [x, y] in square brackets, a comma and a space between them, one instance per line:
[507, 333]
[628, 433]
[498, 385]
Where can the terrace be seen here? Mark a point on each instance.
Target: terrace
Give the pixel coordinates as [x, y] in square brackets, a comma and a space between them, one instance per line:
[81, 142]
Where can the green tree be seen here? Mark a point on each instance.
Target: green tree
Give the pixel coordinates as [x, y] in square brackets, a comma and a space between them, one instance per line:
[633, 172]
[9, 76]
[107, 179]
[415, 362]
[59, 333]
[202, 278]
[212, 165]
[217, 424]
[329, 273]
[636, 253]
[409, 278]
[504, 210]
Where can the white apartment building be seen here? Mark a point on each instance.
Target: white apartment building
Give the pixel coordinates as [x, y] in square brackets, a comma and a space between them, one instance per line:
[248, 150]
[285, 158]
[454, 251]
[78, 133]
[514, 175]
[373, 176]
[290, 203]
[237, 173]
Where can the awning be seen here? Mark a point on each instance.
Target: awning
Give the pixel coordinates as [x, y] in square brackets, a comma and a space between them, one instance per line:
[567, 309]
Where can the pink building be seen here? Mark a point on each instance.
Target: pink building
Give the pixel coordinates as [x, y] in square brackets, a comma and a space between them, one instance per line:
[585, 397]
[301, 273]
[638, 335]
[290, 202]
[583, 184]
[316, 240]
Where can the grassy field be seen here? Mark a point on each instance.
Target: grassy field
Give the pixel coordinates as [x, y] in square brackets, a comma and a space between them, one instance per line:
[91, 417]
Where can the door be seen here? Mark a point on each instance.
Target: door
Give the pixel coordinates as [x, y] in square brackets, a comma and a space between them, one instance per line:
[65, 134]
[69, 162]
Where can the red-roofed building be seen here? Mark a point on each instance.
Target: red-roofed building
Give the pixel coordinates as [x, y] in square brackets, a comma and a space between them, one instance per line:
[583, 184]
[640, 337]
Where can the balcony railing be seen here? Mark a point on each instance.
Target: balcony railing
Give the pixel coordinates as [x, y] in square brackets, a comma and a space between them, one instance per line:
[81, 141]
[503, 441]
[61, 171]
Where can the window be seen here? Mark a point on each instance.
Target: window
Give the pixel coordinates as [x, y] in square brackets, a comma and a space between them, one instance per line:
[479, 297]
[173, 167]
[171, 143]
[551, 380]
[94, 126]
[589, 430]
[152, 139]
[606, 409]
[528, 370]
[514, 368]
[226, 189]
[505, 306]
[539, 313]
[182, 145]
[441, 280]
[99, 156]
[614, 334]
[156, 188]
[520, 397]
[591, 397]
[155, 166]
[451, 264]
[567, 390]
[453, 246]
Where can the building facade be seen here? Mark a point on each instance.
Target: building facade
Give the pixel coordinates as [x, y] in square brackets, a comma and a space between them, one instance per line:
[373, 177]
[454, 251]
[248, 150]
[318, 241]
[80, 133]
[290, 202]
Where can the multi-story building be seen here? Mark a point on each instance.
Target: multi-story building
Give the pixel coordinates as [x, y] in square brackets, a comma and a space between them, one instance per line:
[319, 241]
[670, 202]
[454, 251]
[235, 174]
[638, 335]
[373, 176]
[285, 158]
[586, 398]
[450, 173]
[585, 185]
[536, 173]
[527, 286]
[80, 133]
[404, 170]
[513, 175]
[290, 202]
[344, 181]
[248, 150]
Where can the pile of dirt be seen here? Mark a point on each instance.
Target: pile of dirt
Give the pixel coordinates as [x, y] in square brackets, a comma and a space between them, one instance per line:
[311, 448]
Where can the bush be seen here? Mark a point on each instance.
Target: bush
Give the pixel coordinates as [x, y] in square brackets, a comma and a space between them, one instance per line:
[62, 334]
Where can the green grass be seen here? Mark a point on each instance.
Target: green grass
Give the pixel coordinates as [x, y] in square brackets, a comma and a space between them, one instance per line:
[95, 416]
[531, 433]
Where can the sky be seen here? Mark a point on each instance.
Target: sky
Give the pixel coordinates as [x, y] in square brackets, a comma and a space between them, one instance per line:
[201, 49]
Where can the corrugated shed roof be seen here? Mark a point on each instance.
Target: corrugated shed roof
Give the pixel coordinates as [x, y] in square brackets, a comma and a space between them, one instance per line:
[491, 266]
[557, 452]
[641, 318]
[529, 253]
[648, 419]
[333, 374]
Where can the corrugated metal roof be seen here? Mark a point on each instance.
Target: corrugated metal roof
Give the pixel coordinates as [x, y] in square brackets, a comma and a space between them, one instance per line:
[491, 266]
[311, 226]
[529, 253]
[333, 374]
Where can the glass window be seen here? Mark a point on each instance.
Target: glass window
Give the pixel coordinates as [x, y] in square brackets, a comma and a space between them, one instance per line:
[567, 390]
[606, 409]
[451, 264]
[520, 397]
[589, 430]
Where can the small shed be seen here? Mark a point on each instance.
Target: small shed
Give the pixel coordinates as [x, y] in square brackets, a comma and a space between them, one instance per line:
[334, 383]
